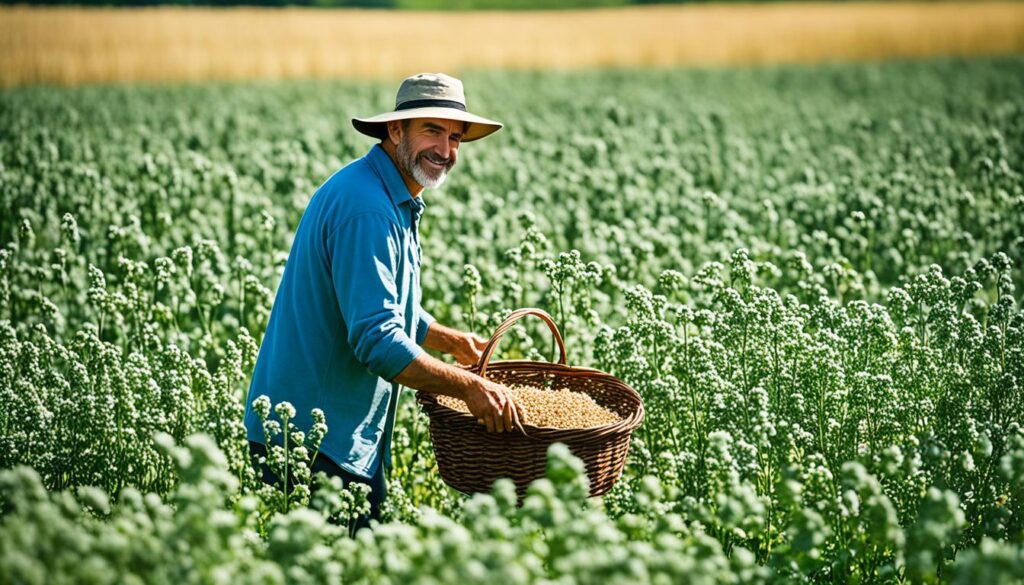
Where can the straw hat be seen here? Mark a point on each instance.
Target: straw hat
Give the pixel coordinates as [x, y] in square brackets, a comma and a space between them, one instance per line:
[429, 95]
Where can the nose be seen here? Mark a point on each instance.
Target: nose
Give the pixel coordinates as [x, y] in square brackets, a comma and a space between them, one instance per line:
[443, 148]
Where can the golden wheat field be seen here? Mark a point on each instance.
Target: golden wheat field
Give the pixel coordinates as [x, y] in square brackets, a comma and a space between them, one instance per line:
[86, 45]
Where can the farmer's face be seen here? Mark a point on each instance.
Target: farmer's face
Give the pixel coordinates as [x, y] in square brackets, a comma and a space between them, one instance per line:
[428, 148]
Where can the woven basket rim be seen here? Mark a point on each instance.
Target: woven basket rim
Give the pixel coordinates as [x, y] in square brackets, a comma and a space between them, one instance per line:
[626, 424]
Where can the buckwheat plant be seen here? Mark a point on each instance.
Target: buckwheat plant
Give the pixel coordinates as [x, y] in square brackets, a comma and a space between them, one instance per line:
[471, 288]
[288, 454]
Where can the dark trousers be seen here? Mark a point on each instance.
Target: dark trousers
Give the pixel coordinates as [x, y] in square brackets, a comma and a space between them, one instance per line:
[378, 488]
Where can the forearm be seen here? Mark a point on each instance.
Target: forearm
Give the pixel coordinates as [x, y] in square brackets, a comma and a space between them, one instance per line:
[490, 402]
[441, 338]
[430, 374]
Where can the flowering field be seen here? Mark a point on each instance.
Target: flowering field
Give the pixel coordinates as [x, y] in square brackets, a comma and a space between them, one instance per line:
[811, 275]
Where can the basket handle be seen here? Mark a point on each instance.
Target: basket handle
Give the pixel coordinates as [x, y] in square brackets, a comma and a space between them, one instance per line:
[516, 315]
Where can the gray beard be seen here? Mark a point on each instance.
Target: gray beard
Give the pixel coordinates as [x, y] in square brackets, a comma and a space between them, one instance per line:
[412, 167]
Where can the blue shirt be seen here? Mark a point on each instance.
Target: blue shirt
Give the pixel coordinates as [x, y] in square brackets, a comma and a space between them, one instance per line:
[347, 317]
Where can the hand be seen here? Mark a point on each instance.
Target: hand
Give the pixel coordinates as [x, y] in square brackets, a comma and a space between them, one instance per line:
[492, 405]
[467, 348]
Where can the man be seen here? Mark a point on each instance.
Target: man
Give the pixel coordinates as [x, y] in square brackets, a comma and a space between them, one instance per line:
[346, 326]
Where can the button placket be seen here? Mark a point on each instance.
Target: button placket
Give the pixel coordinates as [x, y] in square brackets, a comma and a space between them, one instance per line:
[416, 213]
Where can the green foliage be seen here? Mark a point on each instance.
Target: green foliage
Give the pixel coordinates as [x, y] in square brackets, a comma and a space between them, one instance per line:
[811, 275]
[56, 537]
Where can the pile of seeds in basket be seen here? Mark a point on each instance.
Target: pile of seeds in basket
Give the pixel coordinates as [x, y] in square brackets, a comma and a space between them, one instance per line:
[559, 409]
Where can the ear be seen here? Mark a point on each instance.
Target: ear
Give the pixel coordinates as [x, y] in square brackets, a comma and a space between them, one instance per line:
[395, 131]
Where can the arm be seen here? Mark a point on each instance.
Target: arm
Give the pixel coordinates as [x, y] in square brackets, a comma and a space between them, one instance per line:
[363, 255]
[489, 402]
[465, 347]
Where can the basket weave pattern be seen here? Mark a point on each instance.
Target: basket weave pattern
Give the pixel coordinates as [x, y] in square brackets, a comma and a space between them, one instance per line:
[470, 459]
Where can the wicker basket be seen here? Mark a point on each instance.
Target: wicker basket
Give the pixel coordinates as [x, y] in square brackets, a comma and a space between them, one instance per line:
[470, 459]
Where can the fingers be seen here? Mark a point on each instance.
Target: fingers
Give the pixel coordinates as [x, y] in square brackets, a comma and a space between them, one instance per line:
[487, 421]
[490, 414]
[508, 415]
[512, 415]
[519, 416]
[507, 419]
[470, 351]
[504, 413]
[499, 414]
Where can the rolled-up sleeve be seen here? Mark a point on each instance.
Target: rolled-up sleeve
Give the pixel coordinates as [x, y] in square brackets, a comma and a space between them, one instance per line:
[364, 252]
[423, 323]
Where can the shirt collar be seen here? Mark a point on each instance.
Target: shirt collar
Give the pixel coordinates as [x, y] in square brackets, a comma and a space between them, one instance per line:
[393, 182]
[418, 204]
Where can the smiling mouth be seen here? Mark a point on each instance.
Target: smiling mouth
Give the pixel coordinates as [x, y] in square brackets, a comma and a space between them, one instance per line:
[437, 165]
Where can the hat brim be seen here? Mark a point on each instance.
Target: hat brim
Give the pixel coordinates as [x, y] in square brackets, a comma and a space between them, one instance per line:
[376, 126]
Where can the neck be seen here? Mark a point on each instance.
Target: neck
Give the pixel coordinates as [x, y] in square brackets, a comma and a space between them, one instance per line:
[414, 188]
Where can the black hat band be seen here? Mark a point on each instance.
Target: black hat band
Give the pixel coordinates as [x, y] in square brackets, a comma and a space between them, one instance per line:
[430, 104]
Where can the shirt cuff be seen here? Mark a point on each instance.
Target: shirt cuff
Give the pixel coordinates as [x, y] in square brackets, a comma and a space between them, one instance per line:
[397, 357]
[425, 319]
